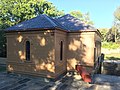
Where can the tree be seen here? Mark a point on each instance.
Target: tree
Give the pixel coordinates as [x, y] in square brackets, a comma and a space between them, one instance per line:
[103, 32]
[117, 13]
[117, 23]
[77, 14]
[16, 11]
[83, 17]
[110, 37]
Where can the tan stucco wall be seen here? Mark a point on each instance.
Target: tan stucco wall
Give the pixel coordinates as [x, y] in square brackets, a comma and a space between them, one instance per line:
[98, 44]
[81, 49]
[78, 47]
[42, 53]
[60, 65]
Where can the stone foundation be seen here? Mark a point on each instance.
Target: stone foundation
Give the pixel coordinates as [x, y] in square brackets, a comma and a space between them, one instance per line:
[111, 67]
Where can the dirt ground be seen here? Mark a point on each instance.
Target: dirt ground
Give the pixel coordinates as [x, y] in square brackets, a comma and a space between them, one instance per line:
[68, 82]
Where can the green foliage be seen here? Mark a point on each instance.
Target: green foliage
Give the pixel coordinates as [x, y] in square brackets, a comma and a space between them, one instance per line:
[110, 35]
[117, 23]
[77, 14]
[113, 35]
[116, 32]
[112, 56]
[15, 11]
[83, 17]
[110, 45]
[117, 13]
[103, 32]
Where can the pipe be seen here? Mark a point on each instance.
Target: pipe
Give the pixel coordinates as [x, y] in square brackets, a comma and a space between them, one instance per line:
[84, 74]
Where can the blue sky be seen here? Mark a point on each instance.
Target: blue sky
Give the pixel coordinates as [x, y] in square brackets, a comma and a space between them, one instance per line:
[101, 11]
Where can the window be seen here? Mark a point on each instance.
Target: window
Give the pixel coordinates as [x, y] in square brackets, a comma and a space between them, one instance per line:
[61, 50]
[27, 50]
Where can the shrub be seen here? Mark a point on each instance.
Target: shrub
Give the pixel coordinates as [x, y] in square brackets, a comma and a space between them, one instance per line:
[110, 45]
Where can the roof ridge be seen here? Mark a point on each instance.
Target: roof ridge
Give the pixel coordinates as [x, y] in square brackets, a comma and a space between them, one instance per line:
[73, 23]
[71, 16]
[66, 22]
[61, 26]
[51, 21]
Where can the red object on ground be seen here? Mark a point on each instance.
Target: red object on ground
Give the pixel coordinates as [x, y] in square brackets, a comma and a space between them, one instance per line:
[84, 74]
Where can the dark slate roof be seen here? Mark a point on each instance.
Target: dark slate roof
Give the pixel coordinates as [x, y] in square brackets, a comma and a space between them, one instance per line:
[72, 23]
[40, 22]
[66, 22]
[58, 24]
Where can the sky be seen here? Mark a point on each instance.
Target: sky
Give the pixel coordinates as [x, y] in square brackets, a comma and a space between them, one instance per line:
[101, 11]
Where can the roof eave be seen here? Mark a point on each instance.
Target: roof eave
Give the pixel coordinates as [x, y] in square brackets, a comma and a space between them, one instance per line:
[87, 30]
[26, 30]
[57, 28]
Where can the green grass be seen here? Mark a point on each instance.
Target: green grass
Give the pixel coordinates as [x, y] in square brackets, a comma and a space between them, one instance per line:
[112, 56]
[110, 45]
[2, 69]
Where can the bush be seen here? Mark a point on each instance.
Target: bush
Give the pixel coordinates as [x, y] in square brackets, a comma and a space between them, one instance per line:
[110, 45]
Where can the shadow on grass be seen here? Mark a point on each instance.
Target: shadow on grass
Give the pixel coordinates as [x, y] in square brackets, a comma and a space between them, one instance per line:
[112, 58]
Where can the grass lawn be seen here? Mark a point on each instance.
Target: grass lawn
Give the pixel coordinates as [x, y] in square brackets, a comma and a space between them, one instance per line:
[2, 69]
[112, 56]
